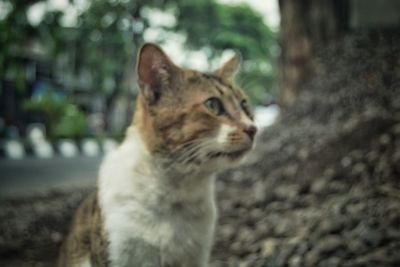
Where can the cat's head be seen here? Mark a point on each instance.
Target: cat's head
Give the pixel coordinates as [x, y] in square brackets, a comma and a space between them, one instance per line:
[191, 118]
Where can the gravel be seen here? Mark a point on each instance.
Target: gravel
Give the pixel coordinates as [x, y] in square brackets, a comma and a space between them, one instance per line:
[323, 186]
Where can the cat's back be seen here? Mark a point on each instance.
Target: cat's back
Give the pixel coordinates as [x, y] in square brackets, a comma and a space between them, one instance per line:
[85, 245]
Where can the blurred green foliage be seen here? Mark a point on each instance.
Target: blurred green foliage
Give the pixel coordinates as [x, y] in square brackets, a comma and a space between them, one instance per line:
[218, 27]
[107, 33]
[72, 123]
[63, 118]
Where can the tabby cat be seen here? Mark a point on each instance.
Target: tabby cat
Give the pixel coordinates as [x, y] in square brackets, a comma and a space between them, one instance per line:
[155, 205]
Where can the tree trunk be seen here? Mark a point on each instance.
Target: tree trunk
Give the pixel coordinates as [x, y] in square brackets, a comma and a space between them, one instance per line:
[306, 24]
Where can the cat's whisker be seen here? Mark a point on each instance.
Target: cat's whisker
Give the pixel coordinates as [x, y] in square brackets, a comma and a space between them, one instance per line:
[186, 154]
[189, 145]
[193, 152]
[193, 158]
[200, 152]
[189, 154]
[186, 146]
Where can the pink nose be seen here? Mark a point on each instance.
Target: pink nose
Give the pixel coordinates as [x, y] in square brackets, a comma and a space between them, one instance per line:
[251, 131]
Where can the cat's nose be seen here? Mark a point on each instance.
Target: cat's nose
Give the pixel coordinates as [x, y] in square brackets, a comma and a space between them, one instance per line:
[251, 131]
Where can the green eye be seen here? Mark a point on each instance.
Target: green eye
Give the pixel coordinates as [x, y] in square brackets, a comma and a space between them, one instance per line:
[214, 105]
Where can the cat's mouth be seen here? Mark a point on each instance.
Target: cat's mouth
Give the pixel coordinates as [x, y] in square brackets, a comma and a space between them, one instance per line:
[228, 154]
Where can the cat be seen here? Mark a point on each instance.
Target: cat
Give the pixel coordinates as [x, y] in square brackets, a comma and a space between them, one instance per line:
[154, 205]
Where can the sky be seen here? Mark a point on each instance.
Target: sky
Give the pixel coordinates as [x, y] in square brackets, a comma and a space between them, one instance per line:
[267, 8]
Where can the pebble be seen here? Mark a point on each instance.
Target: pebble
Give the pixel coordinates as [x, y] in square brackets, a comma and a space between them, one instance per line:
[331, 262]
[357, 247]
[56, 237]
[303, 154]
[346, 162]
[384, 139]
[396, 129]
[261, 194]
[245, 234]
[269, 247]
[288, 192]
[329, 173]
[329, 244]
[295, 261]
[227, 231]
[372, 156]
[359, 168]
[319, 186]
[332, 225]
[372, 237]
[312, 258]
[356, 154]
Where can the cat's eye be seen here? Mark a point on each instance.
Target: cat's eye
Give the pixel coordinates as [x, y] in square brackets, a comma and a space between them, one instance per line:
[215, 106]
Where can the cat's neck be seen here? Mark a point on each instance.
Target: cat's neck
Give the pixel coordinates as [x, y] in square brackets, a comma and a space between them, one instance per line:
[160, 167]
[131, 168]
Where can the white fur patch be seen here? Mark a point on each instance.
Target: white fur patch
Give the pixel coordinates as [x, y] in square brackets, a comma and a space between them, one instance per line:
[84, 263]
[136, 196]
[223, 133]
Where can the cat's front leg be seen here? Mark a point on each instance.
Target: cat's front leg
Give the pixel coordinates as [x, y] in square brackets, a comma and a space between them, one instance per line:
[187, 260]
[136, 253]
[191, 263]
[195, 263]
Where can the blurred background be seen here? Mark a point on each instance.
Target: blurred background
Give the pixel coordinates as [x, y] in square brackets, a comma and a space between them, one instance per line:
[68, 84]
[321, 187]
[69, 65]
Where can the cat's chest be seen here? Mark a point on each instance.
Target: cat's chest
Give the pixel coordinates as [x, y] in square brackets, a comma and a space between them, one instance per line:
[152, 217]
[168, 234]
[164, 223]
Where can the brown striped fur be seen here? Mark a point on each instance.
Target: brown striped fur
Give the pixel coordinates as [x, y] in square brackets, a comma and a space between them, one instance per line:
[86, 238]
[179, 115]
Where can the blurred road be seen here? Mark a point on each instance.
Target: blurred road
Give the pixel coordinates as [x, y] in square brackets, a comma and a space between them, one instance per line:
[33, 175]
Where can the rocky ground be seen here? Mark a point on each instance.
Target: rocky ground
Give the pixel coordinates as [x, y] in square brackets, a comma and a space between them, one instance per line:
[322, 187]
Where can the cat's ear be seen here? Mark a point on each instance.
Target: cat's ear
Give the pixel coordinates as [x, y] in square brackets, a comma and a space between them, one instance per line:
[229, 70]
[155, 72]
